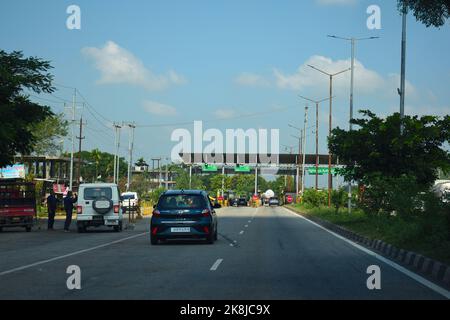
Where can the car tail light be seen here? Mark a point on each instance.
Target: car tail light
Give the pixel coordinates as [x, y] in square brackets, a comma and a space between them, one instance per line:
[116, 208]
[206, 213]
[156, 213]
[79, 209]
[206, 229]
[154, 230]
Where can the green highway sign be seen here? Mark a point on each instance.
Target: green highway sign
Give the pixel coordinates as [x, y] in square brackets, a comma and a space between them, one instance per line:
[240, 168]
[321, 170]
[209, 168]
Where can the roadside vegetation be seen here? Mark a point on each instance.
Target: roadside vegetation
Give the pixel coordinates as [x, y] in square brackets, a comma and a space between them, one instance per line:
[395, 173]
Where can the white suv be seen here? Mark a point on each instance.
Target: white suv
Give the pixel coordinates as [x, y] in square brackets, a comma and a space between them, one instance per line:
[99, 205]
[130, 201]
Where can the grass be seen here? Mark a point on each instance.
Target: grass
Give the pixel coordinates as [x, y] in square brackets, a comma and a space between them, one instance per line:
[428, 237]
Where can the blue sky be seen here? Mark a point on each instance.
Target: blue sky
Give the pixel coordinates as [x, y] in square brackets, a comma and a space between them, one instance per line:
[160, 62]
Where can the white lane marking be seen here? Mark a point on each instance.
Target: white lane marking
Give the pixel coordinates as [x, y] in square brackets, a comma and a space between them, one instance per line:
[235, 241]
[246, 226]
[216, 265]
[242, 231]
[394, 265]
[249, 221]
[70, 254]
[231, 245]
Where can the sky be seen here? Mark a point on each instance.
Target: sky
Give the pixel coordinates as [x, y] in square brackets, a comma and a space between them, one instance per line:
[233, 64]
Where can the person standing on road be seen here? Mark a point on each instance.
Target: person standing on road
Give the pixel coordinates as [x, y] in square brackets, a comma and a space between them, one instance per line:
[52, 202]
[68, 207]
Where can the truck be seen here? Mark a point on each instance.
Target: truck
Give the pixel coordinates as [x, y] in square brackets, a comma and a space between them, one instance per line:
[17, 204]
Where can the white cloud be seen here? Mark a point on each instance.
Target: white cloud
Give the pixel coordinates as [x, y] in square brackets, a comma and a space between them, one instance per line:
[159, 109]
[118, 65]
[336, 2]
[225, 113]
[307, 78]
[250, 79]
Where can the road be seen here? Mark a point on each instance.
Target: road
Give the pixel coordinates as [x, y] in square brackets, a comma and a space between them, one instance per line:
[262, 253]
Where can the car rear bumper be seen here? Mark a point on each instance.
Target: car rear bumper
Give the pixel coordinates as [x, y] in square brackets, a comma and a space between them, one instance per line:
[16, 221]
[96, 221]
[196, 231]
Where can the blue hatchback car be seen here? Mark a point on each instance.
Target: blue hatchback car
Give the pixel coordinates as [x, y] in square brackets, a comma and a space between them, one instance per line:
[184, 214]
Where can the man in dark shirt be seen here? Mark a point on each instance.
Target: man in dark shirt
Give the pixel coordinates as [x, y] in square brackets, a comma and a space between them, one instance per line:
[52, 202]
[68, 207]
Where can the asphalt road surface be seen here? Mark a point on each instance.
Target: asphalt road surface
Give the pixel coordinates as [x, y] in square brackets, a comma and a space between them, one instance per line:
[263, 253]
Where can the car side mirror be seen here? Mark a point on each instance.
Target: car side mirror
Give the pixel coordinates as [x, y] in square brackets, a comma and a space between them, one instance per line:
[217, 206]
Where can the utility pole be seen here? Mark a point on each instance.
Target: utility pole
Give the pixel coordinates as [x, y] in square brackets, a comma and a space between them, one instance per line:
[132, 126]
[317, 135]
[117, 128]
[256, 180]
[403, 69]
[167, 174]
[73, 139]
[190, 176]
[330, 176]
[80, 138]
[352, 41]
[304, 149]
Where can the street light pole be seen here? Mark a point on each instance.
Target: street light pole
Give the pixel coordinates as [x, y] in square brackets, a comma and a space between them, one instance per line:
[317, 134]
[353, 44]
[304, 149]
[403, 69]
[331, 76]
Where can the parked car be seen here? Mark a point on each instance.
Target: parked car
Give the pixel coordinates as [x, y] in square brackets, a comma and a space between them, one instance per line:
[274, 202]
[130, 201]
[183, 214]
[99, 205]
[17, 204]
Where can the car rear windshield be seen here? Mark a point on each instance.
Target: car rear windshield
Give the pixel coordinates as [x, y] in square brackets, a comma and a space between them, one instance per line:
[128, 196]
[95, 193]
[181, 202]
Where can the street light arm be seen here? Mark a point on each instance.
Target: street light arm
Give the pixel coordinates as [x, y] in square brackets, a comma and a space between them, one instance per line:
[326, 73]
[307, 99]
[341, 72]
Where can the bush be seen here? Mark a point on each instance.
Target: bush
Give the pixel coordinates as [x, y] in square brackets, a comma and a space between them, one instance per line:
[338, 198]
[316, 198]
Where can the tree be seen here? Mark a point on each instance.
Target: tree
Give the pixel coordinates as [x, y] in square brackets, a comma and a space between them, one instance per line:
[216, 182]
[182, 180]
[98, 163]
[18, 112]
[48, 134]
[429, 12]
[141, 162]
[97, 157]
[377, 147]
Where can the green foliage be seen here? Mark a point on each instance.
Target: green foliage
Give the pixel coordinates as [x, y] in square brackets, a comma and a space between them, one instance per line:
[338, 198]
[17, 111]
[315, 198]
[48, 134]
[429, 12]
[155, 194]
[182, 180]
[378, 147]
[100, 164]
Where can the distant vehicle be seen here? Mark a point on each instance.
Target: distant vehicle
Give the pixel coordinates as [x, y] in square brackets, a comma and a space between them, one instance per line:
[274, 202]
[99, 205]
[130, 201]
[17, 204]
[238, 202]
[181, 214]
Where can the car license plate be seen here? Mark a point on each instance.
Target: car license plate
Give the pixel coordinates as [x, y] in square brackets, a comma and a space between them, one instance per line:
[180, 230]
[111, 222]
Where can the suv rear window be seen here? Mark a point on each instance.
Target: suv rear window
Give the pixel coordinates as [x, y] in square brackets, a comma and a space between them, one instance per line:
[128, 196]
[181, 202]
[95, 193]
